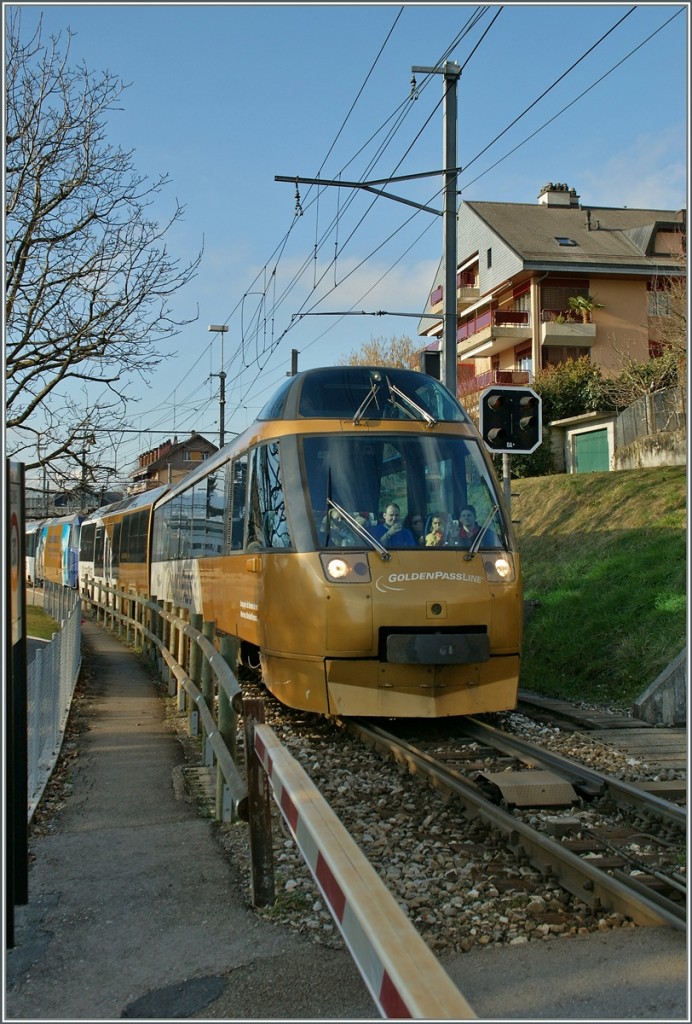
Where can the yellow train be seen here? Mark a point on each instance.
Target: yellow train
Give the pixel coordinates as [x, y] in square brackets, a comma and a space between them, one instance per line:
[355, 540]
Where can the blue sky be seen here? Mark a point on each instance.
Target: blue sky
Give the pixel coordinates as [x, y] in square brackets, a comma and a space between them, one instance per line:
[224, 97]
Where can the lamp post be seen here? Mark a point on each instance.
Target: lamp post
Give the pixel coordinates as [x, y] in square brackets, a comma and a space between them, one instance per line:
[221, 329]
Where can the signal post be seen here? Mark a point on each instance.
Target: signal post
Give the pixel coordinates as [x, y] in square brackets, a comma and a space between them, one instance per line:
[511, 422]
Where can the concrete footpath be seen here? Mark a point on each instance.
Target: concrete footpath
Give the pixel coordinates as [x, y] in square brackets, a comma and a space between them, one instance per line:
[136, 912]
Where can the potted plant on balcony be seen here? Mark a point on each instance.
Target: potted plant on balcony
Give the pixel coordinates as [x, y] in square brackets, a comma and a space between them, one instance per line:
[583, 305]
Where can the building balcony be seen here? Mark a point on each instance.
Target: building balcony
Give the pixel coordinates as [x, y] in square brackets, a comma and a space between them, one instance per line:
[561, 328]
[567, 334]
[493, 331]
[468, 292]
[506, 378]
[466, 295]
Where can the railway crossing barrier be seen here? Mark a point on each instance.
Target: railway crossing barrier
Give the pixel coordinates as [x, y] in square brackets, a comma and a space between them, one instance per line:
[400, 971]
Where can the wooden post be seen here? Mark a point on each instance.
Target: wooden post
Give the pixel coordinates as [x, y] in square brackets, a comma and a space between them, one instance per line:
[259, 811]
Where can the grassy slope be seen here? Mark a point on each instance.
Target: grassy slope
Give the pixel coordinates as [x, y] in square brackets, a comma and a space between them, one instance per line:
[605, 555]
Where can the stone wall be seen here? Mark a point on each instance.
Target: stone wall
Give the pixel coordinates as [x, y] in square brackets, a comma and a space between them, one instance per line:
[666, 448]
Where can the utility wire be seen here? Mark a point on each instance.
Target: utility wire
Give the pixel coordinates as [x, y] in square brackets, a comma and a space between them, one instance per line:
[399, 116]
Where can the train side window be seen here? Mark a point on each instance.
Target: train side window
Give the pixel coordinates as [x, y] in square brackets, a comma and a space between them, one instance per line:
[117, 544]
[99, 544]
[162, 532]
[214, 514]
[86, 543]
[186, 511]
[198, 520]
[267, 521]
[176, 524]
[236, 483]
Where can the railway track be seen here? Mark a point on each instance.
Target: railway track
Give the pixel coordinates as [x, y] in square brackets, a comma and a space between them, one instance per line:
[502, 779]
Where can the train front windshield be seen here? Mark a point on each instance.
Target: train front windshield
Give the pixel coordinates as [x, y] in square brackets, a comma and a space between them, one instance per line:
[439, 490]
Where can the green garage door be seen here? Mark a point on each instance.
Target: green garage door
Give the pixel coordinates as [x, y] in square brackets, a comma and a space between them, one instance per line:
[591, 453]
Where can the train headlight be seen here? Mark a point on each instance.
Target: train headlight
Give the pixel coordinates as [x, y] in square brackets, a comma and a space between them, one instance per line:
[499, 568]
[343, 568]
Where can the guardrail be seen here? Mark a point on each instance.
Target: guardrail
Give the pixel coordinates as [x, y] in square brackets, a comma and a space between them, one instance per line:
[197, 674]
[400, 971]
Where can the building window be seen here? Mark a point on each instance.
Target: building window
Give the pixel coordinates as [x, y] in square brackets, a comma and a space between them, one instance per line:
[489, 258]
[658, 303]
[553, 355]
[563, 240]
[523, 358]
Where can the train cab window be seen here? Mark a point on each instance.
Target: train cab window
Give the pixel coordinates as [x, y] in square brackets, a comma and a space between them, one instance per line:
[383, 393]
[421, 473]
[267, 521]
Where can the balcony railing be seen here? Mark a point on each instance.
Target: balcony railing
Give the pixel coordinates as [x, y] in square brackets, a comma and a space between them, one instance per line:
[472, 385]
[494, 318]
[467, 287]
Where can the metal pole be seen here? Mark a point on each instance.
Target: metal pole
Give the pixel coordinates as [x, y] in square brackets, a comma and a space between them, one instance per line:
[221, 329]
[222, 408]
[507, 482]
[448, 364]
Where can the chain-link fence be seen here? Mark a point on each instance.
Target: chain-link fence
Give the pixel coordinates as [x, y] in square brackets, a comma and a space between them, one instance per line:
[52, 674]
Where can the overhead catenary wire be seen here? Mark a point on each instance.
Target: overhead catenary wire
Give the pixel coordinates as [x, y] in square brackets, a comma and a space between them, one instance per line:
[399, 115]
[545, 92]
[267, 346]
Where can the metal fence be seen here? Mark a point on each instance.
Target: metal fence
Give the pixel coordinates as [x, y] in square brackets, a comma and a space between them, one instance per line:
[52, 674]
[658, 412]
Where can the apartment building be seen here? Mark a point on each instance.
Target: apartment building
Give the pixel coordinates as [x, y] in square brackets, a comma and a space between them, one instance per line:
[520, 264]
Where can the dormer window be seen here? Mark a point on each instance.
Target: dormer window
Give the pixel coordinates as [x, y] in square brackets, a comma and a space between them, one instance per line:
[561, 240]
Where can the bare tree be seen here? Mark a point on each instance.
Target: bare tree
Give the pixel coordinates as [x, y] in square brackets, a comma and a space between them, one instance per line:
[385, 352]
[670, 333]
[667, 367]
[89, 278]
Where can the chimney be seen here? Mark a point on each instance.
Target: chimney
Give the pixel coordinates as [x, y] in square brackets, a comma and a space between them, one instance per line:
[588, 220]
[558, 195]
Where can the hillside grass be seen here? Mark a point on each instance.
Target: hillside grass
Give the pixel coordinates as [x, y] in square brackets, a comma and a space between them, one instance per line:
[605, 557]
[39, 623]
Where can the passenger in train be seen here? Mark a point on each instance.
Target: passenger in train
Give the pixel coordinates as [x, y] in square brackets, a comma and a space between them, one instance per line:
[414, 523]
[391, 533]
[468, 526]
[337, 533]
[436, 537]
[461, 533]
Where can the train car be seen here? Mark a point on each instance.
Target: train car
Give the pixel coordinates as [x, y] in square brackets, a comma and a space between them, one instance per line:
[32, 533]
[57, 556]
[283, 538]
[114, 542]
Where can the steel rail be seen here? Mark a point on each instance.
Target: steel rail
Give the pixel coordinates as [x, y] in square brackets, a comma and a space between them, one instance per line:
[592, 885]
[571, 771]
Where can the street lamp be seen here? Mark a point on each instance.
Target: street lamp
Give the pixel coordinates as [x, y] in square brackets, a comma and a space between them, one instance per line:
[221, 329]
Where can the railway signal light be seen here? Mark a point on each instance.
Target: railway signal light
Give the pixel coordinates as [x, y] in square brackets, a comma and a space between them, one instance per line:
[510, 420]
